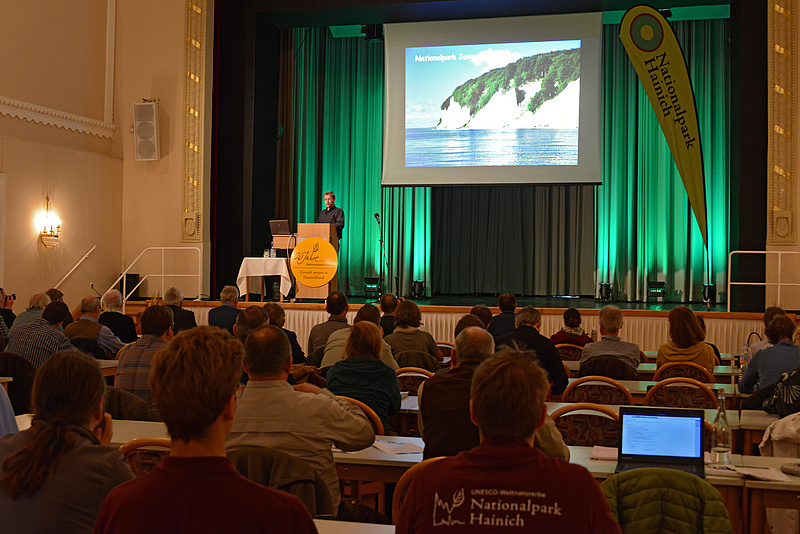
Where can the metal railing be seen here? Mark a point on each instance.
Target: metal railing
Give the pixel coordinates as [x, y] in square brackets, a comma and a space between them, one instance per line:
[126, 294]
[780, 285]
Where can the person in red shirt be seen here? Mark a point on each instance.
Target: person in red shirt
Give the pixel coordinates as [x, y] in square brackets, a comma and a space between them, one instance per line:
[196, 488]
[572, 331]
[504, 484]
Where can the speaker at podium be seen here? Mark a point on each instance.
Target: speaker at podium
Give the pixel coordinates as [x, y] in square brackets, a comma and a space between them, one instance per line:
[315, 260]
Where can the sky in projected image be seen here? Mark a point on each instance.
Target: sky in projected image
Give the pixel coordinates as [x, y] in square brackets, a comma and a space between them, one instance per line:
[429, 83]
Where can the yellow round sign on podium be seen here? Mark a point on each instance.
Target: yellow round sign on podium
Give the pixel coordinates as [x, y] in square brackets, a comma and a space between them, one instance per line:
[314, 262]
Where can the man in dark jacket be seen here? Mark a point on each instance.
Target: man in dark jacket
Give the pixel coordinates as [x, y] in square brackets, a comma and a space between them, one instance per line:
[184, 319]
[527, 337]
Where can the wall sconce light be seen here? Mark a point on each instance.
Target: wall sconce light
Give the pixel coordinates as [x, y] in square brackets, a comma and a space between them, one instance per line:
[49, 225]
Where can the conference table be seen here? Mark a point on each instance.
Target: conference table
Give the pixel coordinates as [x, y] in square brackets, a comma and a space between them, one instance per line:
[260, 267]
[5, 380]
[108, 367]
[646, 371]
[752, 424]
[329, 526]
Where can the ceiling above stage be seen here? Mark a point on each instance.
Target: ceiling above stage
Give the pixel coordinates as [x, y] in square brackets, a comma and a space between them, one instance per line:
[305, 13]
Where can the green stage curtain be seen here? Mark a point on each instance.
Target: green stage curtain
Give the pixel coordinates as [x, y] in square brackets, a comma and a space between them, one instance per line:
[338, 146]
[645, 228]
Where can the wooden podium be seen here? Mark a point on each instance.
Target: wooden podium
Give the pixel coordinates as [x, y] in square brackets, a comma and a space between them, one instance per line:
[327, 232]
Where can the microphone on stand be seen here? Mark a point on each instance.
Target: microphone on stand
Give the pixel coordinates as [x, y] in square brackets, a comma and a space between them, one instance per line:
[378, 218]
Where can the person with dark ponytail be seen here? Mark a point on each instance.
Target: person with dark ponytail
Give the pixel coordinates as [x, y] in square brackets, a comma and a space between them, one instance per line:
[55, 475]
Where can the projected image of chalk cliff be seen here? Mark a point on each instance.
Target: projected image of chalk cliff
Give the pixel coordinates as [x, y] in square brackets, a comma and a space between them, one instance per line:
[504, 104]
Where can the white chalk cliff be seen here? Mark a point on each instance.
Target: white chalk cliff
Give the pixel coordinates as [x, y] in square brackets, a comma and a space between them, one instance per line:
[503, 111]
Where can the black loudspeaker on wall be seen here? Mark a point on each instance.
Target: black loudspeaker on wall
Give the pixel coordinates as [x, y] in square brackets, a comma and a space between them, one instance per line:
[145, 132]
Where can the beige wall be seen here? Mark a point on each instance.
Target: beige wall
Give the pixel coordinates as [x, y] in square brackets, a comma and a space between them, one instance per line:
[102, 195]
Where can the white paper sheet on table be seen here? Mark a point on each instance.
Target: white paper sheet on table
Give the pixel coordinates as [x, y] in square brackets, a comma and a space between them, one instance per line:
[394, 447]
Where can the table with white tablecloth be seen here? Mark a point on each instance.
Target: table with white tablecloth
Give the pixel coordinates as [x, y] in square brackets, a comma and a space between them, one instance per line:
[258, 267]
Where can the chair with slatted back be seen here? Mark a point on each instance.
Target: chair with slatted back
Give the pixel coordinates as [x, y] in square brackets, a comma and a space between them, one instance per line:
[680, 392]
[411, 377]
[445, 348]
[417, 358]
[684, 369]
[597, 389]
[377, 424]
[143, 454]
[610, 366]
[569, 351]
[587, 424]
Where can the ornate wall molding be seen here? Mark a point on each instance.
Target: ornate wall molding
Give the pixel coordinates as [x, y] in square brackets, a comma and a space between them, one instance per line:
[194, 47]
[782, 106]
[53, 117]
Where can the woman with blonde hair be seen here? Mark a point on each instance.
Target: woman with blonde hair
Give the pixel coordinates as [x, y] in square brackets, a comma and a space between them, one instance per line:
[687, 341]
[362, 376]
[55, 475]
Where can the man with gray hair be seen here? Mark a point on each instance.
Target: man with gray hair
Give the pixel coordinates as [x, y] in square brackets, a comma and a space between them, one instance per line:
[444, 421]
[88, 327]
[122, 325]
[526, 337]
[184, 319]
[304, 421]
[224, 316]
[610, 344]
[37, 303]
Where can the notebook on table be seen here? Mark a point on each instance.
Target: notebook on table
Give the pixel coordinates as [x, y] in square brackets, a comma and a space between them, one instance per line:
[661, 437]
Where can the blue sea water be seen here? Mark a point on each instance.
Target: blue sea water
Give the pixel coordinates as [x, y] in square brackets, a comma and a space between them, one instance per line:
[426, 147]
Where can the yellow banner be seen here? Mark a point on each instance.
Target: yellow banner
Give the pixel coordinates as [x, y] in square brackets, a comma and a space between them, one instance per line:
[659, 62]
[314, 262]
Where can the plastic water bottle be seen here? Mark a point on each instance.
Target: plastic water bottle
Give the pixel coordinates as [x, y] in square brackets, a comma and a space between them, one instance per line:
[721, 436]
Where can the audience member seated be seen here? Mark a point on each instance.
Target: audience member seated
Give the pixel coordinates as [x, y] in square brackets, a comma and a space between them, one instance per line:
[88, 327]
[504, 323]
[334, 349]
[717, 355]
[571, 332]
[56, 295]
[767, 366]
[277, 317]
[3, 331]
[120, 324]
[407, 335]
[248, 320]
[484, 313]
[42, 338]
[196, 488]
[56, 474]
[6, 308]
[184, 319]
[769, 315]
[388, 305]
[687, 341]
[37, 303]
[336, 306]
[304, 421]
[136, 359]
[467, 321]
[444, 421]
[224, 316]
[527, 338]
[476, 489]
[363, 376]
[610, 344]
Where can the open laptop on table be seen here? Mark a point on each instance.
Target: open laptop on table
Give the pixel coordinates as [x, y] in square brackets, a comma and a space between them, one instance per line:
[279, 227]
[661, 437]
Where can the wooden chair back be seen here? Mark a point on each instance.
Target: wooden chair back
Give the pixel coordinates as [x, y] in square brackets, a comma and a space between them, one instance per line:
[445, 348]
[569, 351]
[377, 424]
[610, 366]
[597, 389]
[411, 377]
[680, 392]
[587, 424]
[143, 454]
[684, 369]
[401, 489]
